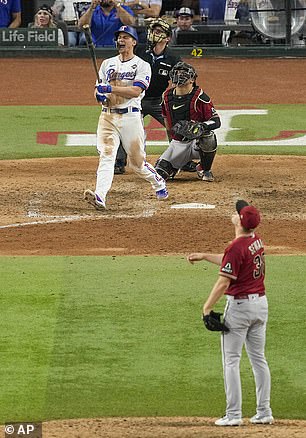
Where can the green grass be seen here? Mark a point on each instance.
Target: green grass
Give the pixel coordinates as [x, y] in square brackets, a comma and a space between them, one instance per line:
[118, 336]
[20, 124]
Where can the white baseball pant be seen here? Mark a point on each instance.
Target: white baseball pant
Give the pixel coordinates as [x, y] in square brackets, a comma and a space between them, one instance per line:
[128, 129]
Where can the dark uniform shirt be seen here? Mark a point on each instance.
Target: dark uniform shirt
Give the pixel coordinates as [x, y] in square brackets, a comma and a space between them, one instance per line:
[180, 107]
[161, 66]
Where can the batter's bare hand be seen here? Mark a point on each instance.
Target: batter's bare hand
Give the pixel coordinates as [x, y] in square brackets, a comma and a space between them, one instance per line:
[195, 257]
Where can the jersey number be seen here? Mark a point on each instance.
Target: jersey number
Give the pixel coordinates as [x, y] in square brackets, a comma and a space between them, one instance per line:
[259, 262]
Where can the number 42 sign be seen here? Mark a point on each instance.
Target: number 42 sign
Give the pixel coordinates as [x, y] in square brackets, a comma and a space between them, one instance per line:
[197, 52]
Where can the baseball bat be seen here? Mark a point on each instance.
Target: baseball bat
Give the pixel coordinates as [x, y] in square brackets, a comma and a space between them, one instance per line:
[91, 49]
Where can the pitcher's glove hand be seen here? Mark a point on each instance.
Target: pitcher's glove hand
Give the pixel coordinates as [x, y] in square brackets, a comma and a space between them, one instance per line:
[188, 129]
[213, 322]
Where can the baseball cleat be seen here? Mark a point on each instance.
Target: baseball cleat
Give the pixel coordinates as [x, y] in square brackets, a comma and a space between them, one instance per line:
[225, 421]
[119, 170]
[200, 171]
[162, 194]
[257, 419]
[94, 200]
[189, 167]
[119, 167]
[208, 176]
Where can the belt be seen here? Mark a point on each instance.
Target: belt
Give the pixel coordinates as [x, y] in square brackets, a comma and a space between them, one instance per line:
[121, 110]
[246, 296]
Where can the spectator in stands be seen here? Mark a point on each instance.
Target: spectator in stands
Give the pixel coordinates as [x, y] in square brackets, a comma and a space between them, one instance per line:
[144, 9]
[44, 19]
[243, 13]
[104, 18]
[10, 13]
[64, 10]
[184, 22]
[148, 8]
[170, 7]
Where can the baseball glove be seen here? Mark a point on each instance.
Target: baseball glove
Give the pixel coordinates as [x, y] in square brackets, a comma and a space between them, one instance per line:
[213, 322]
[188, 129]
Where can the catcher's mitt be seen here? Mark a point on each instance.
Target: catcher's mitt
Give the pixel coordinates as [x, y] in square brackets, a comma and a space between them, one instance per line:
[213, 322]
[188, 129]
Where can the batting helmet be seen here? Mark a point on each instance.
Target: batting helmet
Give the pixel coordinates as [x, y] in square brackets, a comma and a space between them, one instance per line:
[153, 38]
[181, 73]
[127, 29]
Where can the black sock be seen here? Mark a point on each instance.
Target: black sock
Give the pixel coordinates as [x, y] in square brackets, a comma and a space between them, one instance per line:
[207, 160]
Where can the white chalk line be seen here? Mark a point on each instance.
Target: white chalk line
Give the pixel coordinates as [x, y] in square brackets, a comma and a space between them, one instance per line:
[44, 222]
[61, 219]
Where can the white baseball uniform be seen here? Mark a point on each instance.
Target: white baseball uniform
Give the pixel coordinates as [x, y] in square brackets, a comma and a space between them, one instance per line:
[121, 121]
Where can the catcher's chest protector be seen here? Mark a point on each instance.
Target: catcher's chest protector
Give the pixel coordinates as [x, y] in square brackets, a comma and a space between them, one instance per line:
[190, 114]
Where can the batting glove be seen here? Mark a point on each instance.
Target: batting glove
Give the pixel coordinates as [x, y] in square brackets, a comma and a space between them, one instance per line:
[101, 97]
[104, 88]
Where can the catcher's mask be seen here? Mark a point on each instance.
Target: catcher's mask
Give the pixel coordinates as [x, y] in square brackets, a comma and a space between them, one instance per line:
[181, 73]
[153, 38]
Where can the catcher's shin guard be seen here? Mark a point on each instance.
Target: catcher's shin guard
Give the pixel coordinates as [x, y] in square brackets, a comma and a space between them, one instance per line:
[206, 160]
[165, 169]
[207, 142]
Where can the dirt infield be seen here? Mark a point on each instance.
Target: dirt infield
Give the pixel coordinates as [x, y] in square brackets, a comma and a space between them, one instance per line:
[50, 192]
[43, 212]
[162, 427]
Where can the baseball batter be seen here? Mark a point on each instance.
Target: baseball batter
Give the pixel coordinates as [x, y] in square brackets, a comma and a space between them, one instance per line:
[187, 102]
[241, 279]
[124, 80]
[161, 61]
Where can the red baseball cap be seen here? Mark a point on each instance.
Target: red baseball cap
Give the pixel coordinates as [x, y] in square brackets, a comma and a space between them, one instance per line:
[249, 215]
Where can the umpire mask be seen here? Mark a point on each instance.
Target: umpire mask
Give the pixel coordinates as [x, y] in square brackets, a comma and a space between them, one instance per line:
[156, 36]
[181, 73]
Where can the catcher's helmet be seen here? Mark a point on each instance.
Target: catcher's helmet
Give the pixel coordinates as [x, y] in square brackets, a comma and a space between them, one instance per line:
[153, 38]
[127, 29]
[181, 73]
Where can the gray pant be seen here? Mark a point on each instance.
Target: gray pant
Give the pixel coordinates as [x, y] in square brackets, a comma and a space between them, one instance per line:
[179, 153]
[247, 320]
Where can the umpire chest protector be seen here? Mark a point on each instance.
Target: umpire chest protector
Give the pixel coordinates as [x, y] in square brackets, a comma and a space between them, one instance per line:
[161, 66]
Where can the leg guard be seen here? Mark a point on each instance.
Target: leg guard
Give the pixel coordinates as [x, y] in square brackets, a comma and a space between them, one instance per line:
[204, 168]
[207, 142]
[165, 169]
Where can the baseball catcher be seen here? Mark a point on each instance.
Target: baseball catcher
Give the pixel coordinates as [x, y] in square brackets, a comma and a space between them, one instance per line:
[190, 119]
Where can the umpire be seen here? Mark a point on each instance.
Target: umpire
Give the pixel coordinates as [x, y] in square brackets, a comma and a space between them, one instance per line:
[161, 60]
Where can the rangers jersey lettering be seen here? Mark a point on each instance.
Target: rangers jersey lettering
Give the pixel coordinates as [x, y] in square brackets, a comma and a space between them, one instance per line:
[135, 72]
